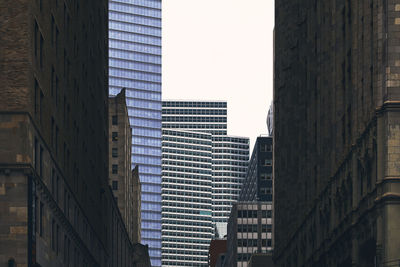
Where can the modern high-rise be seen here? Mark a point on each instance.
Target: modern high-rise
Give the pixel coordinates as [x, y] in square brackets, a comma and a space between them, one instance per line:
[258, 185]
[56, 207]
[230, 160]
[337, 133]
[249, 232]
[135, 63]
[229, 154]
[187, 226]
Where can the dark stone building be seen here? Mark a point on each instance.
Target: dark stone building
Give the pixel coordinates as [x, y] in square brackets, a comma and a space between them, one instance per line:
[337, 127]
[257, 186]
[55, 203]
[123, 181]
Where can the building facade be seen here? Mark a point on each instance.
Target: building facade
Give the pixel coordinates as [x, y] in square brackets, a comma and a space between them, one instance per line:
[186, 196]
[230, 154]
[230, 160]
[135, 63]
[217, 250]
[249, 231]
[120, 173]
[337, 127]
[258, 185]
[56, 206]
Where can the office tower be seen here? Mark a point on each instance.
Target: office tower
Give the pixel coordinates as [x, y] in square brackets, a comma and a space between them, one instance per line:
[249, 232]
[258, 183]
[337, 127]
[135, 63]
[230, 160]
[250, 221]
[186, 196]
[230, 154]
[56, 206]
[120, 173]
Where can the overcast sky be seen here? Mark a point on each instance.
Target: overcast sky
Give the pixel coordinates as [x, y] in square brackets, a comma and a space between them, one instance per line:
[221, 50]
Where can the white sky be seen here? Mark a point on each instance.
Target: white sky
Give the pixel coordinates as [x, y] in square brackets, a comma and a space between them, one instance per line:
[221, 50]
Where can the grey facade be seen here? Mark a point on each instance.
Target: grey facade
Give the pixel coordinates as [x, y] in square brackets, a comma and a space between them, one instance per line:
[258, 185]
[249, 232]
[337, 127]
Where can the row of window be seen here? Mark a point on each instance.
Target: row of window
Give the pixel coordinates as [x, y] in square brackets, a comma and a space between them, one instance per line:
[185, 134]
[189, 223]
[186, 164]
[131, 18]
[230, 139]
[192, 119]
[186, 205]
[248, 228]
[186, 234]
[230, 145]
[183, 175]
[173, 169]
[194, 104]
[186, 140]
[192, 188]
[176, 157]
[194, 111]
[168, 198]
[231, 157]
[230, 151]
[194, 126]
[253, 213]
[183, 146]
[185, 193]
[189, 229]
[134, 9]
[187, 152]
[184, 181]
[228, 174]
[184, 217]
[133, 28]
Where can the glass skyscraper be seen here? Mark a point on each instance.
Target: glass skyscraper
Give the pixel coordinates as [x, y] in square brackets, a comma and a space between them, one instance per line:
[135, 63]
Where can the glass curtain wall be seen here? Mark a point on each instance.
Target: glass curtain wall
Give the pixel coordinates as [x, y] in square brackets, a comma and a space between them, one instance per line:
[135, 63]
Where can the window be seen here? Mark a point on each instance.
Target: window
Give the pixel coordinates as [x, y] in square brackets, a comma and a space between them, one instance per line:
[115, 169]
[268, 162]
[114, 120]
[41, 219]
[35, 105]
[115, 185]
[53, 237]
[114, 152]
[115, 136]
[41, 162]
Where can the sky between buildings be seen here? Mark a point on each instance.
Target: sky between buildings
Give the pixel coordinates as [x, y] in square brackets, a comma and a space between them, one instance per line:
[221, 50]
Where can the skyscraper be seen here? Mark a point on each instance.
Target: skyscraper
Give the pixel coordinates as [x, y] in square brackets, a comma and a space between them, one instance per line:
[135, 63]
[337, 133]
[187, 226]
[230, 154]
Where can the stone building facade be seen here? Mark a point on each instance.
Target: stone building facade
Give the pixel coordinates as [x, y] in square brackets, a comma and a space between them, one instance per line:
[55, 203]
[337, 127]
[120, 147]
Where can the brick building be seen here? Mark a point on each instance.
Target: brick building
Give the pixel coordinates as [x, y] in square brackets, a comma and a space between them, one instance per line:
[55, 203]
[337, 127]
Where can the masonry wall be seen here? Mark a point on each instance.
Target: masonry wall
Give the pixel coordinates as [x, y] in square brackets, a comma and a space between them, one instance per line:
[336, 102]
[56, 208]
